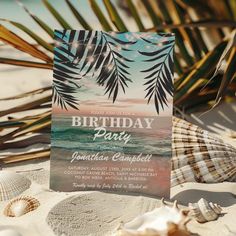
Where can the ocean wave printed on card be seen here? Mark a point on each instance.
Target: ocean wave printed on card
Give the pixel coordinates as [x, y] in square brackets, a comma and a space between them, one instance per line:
[112, 112]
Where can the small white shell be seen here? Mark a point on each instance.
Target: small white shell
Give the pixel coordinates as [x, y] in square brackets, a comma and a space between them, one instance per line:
[162, 221]
[21, 206]
[204, 211]
[12, 184]
[9, 232]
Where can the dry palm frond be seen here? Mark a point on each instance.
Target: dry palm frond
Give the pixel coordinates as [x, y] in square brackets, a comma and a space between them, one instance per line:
[195, 23]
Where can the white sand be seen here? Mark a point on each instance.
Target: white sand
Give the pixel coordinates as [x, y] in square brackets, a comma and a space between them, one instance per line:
[100, 214]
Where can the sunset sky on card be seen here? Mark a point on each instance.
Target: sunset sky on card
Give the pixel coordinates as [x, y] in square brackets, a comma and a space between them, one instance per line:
[91, 95]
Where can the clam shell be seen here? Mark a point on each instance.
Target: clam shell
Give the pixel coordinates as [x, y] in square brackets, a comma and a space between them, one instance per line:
[161, 221]
[198, 156]
[204, 211]
[21, 206]
[12, 185]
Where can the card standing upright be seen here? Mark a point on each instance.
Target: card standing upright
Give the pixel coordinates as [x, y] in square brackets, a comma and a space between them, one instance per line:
[112, 112]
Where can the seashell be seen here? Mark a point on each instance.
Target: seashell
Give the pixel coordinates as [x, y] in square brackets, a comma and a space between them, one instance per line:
[12, 184]
[198, 156]
[9, 232]
[163, 221]
[204, 211]
[21, 206]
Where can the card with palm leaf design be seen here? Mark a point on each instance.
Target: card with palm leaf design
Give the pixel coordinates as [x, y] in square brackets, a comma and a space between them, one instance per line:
[112, 111]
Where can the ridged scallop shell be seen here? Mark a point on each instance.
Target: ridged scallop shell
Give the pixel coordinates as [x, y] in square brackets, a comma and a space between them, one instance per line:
[21, 206]
[198, 156]
[204, 211]
[12, 185]
[163, 221]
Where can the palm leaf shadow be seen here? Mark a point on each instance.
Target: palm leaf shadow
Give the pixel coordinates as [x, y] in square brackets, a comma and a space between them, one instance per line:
[86, 54]
[107, 63]
[65, 77]
[159, 79]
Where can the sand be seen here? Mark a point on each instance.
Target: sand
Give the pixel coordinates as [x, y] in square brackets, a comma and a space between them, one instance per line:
[100, 213]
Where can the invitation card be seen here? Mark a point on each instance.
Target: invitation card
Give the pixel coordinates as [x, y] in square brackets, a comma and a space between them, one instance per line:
[112, 112]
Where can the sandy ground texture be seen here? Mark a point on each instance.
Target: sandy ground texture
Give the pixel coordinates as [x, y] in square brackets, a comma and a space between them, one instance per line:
[100, 213]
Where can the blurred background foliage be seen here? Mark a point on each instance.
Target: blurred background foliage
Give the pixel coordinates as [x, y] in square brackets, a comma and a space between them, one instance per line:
[205, 55]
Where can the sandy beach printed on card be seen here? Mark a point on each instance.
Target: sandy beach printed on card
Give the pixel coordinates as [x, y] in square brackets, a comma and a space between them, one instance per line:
[112, 112]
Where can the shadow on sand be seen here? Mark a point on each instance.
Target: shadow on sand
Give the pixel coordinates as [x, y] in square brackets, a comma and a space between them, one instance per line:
[224, 199]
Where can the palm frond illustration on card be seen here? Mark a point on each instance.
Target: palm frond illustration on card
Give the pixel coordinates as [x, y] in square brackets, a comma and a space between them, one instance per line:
[112, 111]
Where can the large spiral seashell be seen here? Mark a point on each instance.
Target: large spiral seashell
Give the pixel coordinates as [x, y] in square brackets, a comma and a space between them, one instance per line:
[163, 221]
[12, 185]
[21, 206]
[198, 156]
[204, 211]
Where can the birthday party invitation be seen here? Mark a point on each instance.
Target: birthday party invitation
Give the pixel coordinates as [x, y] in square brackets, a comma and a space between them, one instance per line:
[112, 112]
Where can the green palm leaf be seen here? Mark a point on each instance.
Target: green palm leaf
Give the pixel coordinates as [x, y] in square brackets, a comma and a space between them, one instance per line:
[193, 75]
[78, 16]
[102, 19]
[114, 16]
[57, 15]
[40, 22]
